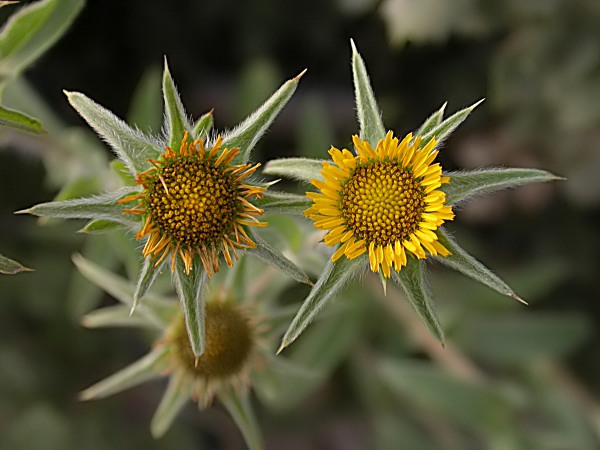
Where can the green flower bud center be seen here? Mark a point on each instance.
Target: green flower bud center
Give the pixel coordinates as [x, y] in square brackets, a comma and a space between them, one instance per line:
[382, 203]
[228, 343]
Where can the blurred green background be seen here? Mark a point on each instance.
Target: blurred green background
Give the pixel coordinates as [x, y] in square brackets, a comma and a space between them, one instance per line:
[537, 63]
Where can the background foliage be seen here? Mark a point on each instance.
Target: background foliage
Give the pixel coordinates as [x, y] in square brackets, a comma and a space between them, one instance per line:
[524, 377]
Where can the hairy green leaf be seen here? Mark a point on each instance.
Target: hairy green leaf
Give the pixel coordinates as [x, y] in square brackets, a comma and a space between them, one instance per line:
[275, 258]
[369, 116]
[239, 407]
[176, 120]
[19, 121]
[146, 279]
[247, 134]
[203, 126]
[146, 368]
[464, 185]
[11, 267]
[302, 169]
[100, 226]
[335, 275]
[412, 280]
[444, 129]
[103, 207]
[282, 203]
[191, 290]
[32, 30]
[432, 121]
[460, 260]
[130, 145]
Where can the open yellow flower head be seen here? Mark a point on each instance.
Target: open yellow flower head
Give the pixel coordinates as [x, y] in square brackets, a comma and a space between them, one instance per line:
[195, 201]
[385, 201]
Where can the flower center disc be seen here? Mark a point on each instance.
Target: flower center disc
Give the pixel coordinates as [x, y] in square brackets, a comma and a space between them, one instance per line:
[228, 343]
[192, 201]
[382, 203]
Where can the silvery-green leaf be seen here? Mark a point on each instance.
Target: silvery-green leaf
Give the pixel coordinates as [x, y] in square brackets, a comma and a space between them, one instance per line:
[247, 134]
[191, 290]
[412, 280]
[239, 407]
[464, 185]
[11, 267]
[146, 368]
[102, 206]
[100, 226]
[203, 126]
[117, 316]
[20, 121]
[146, 279]
[121, 170]
[176, 120]
[302, 169]
[155, 309]
[32, 30]
[172, 402]
[282, 203]
[480, 407]
[275, 258]
[335, 275]
[146, 107]
[460, 260]
[130, 145]
[432, 121]
[369, 116]
[444, 129]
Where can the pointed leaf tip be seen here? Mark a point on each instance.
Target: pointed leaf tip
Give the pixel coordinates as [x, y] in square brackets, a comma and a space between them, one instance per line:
[300, 75]
[519, 299]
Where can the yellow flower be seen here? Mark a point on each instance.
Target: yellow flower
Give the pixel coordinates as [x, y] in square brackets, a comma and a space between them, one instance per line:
[385, 201]
[194, 201]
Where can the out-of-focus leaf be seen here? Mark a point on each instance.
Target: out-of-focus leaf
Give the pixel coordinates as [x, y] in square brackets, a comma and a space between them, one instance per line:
[145, 109]
[239, 407]
[176, 120]
[314, 128]
[464, 185]
[411, 279]
[20, 121]
[517, 338]
[191, 291]
[131, 146]
[334, 277]
[246, 135]
[369, 116]
[155, 310]
[32, 30]
[477, 406]
[302, 169]
[173, 401]
[148, 367]
[116, 316]
[105, 207]
[460, 260]
[11, 267]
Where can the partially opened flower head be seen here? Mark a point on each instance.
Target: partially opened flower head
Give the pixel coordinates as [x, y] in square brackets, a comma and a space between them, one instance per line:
[195, 201]
[385, 201]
